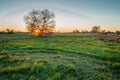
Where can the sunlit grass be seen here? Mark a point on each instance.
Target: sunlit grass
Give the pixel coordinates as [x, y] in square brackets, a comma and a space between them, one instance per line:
[59, 57]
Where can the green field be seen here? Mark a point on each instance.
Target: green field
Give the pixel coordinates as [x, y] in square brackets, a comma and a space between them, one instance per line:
[58, 57]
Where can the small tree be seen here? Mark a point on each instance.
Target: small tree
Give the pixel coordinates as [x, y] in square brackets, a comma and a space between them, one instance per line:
[118, 32]
[103, 31]
[85, 31]
[8, 31]
[40, 23]
[76, 31]
[95, 29]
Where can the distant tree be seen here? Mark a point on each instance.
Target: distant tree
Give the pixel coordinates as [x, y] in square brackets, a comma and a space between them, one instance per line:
[2, 32]
[76, 31]
[40, 23]
[95, 29]
[103, 31]
[109, 32]
[85, 31]
[118, 32]
[8, 31]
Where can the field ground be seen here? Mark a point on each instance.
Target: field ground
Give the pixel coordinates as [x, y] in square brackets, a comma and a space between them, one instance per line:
[58, 57]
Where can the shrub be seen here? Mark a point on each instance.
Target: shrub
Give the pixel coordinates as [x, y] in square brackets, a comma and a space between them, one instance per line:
[109, 38]
[118, 32]
[8, 31]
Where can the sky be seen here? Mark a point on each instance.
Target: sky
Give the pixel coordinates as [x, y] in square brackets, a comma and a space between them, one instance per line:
[69, 14]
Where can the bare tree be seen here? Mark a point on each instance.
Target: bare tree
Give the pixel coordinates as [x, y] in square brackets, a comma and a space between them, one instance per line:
[40, 23]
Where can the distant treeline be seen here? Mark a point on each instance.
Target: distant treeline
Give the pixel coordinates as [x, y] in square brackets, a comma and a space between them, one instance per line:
[97, 29]
[7, 31]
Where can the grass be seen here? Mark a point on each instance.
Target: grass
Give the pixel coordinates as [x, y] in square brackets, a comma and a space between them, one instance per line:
[58, 57]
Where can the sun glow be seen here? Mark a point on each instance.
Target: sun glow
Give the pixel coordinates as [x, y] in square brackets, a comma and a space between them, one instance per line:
[36, 32]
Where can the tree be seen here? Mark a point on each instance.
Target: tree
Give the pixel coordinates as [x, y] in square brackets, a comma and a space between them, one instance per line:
[95, 29]
[85, 31]
[8, 31]
[40, 23]
[76, 31]
[103, 31]
[118, 32]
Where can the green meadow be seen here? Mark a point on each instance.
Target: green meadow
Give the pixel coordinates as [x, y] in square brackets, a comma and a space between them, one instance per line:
[58, 57]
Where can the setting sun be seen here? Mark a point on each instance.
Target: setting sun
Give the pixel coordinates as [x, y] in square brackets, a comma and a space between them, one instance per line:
[36, 32]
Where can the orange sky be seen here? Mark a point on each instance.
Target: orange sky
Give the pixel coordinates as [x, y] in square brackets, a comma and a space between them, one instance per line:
[61, 29]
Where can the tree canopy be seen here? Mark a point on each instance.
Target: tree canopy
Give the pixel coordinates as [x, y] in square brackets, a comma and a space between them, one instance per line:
[40, 23]
[95, 29]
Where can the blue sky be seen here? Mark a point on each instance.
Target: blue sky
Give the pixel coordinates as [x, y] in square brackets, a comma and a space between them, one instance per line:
[70, 14]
